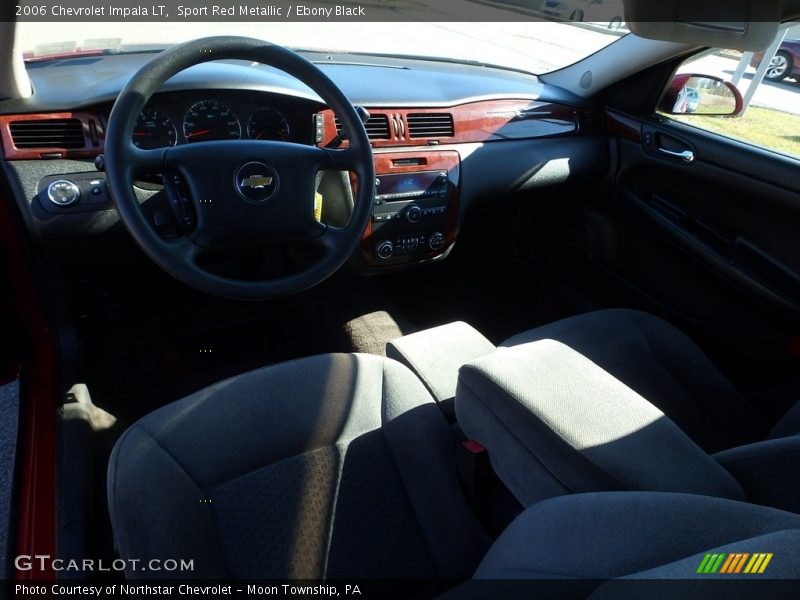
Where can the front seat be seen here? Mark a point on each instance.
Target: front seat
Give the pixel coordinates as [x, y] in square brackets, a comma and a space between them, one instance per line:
[603, 543]
[335, 466]
[663, 365]
[341, 467]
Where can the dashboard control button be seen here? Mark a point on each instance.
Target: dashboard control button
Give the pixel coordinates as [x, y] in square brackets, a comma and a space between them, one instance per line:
[319, 128]
[94, 191]
[384, 250]
[436, 241]
[179, 201]
[63, 192]
[413, 213]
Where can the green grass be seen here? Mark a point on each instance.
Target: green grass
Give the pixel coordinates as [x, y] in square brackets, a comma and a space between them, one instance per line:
[765, 127]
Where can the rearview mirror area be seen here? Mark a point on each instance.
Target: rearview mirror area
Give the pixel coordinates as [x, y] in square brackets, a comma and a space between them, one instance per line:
[691, 94]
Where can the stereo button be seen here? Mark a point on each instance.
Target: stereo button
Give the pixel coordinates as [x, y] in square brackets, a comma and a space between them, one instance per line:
[413, 213]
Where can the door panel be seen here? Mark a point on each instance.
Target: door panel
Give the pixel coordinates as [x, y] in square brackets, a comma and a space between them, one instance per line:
[744, 230]
[712, 243]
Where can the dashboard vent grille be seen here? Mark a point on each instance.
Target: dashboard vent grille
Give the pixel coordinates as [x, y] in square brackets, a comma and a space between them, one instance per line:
[377, 127]
[430, 125]
[589, 119]
[48, 133]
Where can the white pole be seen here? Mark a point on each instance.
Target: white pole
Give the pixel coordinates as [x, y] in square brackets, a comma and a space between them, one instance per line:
[747, 58]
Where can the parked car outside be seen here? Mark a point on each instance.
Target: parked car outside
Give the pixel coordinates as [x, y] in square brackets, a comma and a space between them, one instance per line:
[785, 63]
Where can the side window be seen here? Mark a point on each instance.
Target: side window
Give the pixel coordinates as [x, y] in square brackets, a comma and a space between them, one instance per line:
[762, 110]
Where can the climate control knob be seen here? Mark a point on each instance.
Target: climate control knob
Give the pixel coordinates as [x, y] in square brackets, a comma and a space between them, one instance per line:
[413, 213]
[63, 192]
[436, 241]
[384, 250]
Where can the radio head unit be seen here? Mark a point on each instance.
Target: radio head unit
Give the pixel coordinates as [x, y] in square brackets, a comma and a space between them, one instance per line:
[398, 187]
[415, 210]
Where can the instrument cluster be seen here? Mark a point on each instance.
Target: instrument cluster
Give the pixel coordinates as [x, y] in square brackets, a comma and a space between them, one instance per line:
[170, 120]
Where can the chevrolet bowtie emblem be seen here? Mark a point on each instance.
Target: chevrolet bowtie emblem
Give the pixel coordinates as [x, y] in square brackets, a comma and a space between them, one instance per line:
[257, 181]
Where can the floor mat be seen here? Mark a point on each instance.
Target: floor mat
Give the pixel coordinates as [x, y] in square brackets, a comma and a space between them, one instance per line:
[369, 333]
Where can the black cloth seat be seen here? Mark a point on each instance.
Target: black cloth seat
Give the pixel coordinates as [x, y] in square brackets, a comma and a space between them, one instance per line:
[341, 467]
[334, 466]
[606, 535]
[666, 367]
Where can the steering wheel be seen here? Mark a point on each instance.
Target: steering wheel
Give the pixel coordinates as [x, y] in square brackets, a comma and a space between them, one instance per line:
[237, 193]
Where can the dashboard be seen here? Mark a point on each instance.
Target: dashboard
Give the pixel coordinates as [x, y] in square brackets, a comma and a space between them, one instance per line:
[444, 136]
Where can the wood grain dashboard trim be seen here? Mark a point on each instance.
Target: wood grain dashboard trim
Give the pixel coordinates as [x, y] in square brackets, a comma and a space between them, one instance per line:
[93, 137]
[484, 121]
[622, 126]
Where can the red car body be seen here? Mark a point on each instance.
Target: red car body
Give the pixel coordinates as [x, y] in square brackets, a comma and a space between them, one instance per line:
[785, 64]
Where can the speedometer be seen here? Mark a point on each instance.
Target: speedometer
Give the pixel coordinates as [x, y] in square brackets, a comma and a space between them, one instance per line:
[154, 130]
[211, 120]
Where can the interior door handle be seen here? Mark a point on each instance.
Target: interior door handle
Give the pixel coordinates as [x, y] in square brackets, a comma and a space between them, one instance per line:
[686, 156]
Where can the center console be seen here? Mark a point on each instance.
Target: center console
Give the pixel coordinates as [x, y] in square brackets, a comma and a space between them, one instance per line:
[416, 207]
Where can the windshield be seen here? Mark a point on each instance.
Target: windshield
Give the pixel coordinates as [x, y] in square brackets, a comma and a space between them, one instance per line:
[518, 42]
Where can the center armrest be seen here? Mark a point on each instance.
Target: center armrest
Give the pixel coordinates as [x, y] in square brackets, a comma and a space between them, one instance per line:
[435, 355]
[554, 422]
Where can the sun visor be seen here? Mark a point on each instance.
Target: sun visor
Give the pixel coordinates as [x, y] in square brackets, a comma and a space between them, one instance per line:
[746, 25]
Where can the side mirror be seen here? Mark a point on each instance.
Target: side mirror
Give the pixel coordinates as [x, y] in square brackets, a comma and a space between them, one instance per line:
[690, 94]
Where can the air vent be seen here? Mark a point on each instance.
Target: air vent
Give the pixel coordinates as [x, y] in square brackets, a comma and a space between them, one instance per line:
[589, 119]
[48, 133]
[430, 125]
[377, 127]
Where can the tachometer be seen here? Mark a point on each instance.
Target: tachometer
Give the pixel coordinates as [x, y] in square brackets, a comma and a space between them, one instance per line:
[154, 130]
[211, 120]
[268, 124]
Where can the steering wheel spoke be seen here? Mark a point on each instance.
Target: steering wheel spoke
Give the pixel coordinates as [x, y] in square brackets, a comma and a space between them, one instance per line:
[145, 162]
[332, 238]
[184, 248]
[344, 159]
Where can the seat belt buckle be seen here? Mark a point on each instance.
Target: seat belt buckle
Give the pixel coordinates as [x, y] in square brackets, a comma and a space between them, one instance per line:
[474, 473]
[473, 447]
